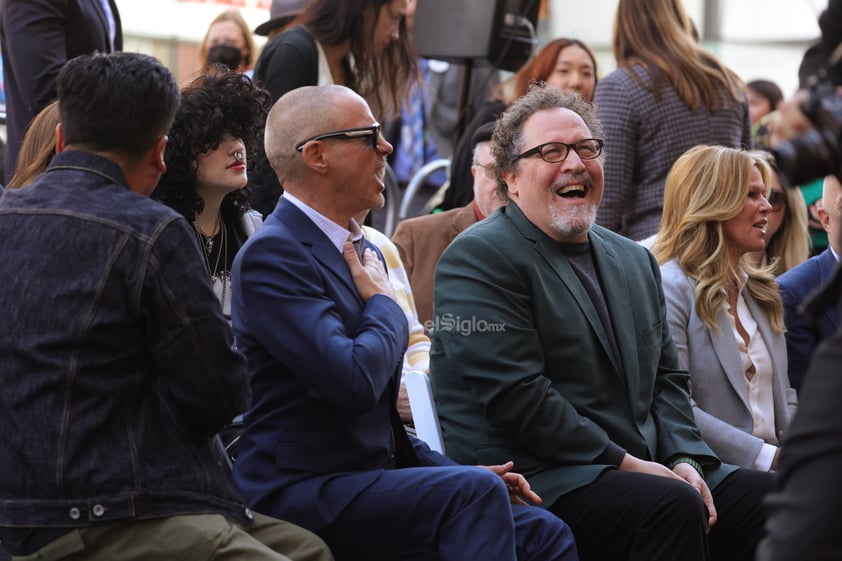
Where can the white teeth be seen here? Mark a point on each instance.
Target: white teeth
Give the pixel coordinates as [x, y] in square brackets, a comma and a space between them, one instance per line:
[569, 188]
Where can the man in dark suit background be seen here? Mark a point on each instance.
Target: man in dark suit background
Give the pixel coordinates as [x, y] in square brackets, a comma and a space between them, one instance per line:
[808, 501]
[552, 348]
[36, 38]
[804, 333]
[324, 337]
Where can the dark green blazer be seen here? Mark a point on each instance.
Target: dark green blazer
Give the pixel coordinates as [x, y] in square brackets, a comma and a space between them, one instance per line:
[522, 369]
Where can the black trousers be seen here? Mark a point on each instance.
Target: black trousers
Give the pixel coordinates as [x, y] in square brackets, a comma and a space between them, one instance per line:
[625, 516]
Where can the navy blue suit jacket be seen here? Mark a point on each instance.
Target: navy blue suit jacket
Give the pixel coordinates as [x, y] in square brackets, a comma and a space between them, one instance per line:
[324, 367]
[804, 334]
[37, 37]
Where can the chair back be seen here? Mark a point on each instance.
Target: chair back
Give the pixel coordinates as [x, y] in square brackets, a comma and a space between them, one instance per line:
[424, 416]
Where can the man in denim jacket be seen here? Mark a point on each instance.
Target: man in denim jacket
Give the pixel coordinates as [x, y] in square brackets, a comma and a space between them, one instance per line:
[117, 367]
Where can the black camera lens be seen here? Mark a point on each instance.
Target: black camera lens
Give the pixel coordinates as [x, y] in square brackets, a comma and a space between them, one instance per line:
[806, 158]
[819, 152]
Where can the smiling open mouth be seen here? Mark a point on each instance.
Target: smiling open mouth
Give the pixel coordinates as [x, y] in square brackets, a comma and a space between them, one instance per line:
[571, 192]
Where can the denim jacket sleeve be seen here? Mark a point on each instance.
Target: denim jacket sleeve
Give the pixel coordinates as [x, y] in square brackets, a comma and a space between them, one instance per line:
[192, 344]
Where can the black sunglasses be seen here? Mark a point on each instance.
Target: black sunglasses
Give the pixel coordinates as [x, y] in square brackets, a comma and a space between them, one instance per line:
[777, 199]
[372, 131]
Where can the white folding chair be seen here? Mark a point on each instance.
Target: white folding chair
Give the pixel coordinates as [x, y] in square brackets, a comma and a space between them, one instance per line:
[423, 405]
[417, 181]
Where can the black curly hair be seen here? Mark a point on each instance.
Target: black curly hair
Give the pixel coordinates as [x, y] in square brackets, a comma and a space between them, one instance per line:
[214, 104]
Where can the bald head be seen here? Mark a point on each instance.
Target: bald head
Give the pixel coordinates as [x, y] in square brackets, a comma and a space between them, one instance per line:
[325, 146]
[298, 115]
[831, 211]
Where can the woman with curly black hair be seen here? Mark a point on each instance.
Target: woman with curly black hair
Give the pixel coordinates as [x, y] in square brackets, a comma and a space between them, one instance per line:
[216, 135]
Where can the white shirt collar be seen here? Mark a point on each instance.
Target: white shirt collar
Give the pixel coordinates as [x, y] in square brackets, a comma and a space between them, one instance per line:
[337, 234]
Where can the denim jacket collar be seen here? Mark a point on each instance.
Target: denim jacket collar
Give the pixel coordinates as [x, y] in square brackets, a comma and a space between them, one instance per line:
[80, 160]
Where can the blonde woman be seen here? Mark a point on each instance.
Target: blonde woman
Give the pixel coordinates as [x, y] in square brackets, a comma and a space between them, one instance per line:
[787, 235]
[724, 312]
[667, 95]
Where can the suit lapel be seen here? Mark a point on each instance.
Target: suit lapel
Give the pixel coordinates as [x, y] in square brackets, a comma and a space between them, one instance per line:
[558, 263]
[320, 246]
[615, 285]
[827, 264]
[728, 355]
[553, 256]
[777, 354]
[118, 26]
[96, 6]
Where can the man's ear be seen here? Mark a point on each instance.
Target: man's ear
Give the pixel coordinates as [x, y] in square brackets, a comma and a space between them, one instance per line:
[142, 175]
[59, 138]
[157, 156]
[511, 181]
[315, 157]
[824, 217]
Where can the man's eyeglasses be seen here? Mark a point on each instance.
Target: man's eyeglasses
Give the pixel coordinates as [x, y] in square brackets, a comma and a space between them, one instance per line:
[555, 152]
[487, 169]
[777, 199]
[371, 132]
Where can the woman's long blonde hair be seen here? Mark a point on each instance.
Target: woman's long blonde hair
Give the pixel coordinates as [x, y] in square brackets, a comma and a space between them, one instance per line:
[706, 186]
[790, 246]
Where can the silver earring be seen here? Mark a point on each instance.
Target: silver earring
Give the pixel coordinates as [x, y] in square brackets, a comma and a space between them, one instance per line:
[240, 156]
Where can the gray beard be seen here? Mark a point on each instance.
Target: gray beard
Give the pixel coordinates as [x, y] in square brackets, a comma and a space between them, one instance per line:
[574, 222]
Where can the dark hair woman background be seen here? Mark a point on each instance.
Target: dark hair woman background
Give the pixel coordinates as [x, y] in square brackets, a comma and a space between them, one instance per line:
[371, 33]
